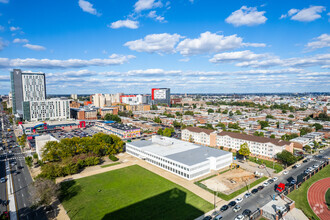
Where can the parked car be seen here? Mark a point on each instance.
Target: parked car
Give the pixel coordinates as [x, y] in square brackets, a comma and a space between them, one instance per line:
[237, 208]
[238, 200]
[270, 181]
[224, 208]
[315, 166]
[285, 172]
[218, 217]
[305, 161]
[298, 165]
[260, 187]
[247, 195]
[275, 179]
[208, 217]
[254, 191]
[247, 212]
[239, 217]
[2, 180]
[265, 184]
[232, 203]
[293, 181]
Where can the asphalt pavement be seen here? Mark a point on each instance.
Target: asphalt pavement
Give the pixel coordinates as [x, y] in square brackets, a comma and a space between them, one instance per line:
[264, 196]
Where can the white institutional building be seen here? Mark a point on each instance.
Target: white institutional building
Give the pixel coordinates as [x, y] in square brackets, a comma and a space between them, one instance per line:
[184, 159]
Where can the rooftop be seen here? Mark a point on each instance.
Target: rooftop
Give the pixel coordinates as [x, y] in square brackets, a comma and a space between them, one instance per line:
[177, 150]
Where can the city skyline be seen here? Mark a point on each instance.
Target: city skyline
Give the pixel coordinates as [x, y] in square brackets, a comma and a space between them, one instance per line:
[190, 46]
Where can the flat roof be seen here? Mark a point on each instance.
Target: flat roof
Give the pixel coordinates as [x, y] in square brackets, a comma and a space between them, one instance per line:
[181, 151]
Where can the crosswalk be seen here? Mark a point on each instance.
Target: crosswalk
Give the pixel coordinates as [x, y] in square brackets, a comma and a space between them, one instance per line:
[7, 157]
[316, 160]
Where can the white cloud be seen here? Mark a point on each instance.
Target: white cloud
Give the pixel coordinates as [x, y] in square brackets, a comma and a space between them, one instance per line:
[34, 47]
[4, 1]
[316, 60]
[248, 16]
[152, 14]
[320, 42]
[2, 44]
[307, 14]
[208, 43]
[125, 23]
[2, 28]
[185, 59]
[141, 5]
[14, 28]
[236, 56]
[160, 43]
[254, 44]
[70, 63]
[88, 7]
[18, 40]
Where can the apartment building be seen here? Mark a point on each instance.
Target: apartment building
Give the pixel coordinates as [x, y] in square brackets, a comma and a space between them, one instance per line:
[49, 109]
[131, 99]
[83, 113]
[259, 146]
[108, 110]
[183, 159]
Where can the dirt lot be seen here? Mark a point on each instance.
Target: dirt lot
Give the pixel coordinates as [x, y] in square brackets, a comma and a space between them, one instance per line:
[230, 181]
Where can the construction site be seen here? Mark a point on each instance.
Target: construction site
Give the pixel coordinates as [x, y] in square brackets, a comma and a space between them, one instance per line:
[231, 180]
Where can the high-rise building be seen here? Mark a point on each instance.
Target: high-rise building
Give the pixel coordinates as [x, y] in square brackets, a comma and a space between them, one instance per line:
[26, 86]
[50, 109]
[161, 96]
[74, 96]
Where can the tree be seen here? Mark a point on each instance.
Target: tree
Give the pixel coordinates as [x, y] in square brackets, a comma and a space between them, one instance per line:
[286, 157]
[225, 112]
[305, 130]
[260, 134]
[263, 124]
[231, 113]
[160, 131]
[272, 136]
[238, 112]
[154, 107]
[306, 119]
[244, 150]
[190, 138]
[176, 124]
[284, 111]
[111, 117]
[288, 137]
[167, 132]
[270, 116]
[210, 111]
[291, 116]
[317, 126]
[157, 120]
[218, 111]
[28, 161]
[234, 126]
[44, 191]
[307, 148]
[222, 125]
[22, 140]
[178, 113]
[189, 113]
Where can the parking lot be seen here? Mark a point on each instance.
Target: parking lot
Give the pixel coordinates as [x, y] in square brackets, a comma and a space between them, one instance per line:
[88, 132]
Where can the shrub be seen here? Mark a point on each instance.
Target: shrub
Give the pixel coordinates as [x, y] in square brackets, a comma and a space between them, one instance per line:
[113, 158]
[221, 147]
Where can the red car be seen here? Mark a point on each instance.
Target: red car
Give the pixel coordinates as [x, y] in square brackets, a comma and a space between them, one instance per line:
[280, 187]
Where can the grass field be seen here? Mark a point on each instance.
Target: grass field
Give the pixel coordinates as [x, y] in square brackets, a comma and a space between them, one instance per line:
[300, 195]
[277, 166]
[327, 198]
[130, 193]
[110, 165]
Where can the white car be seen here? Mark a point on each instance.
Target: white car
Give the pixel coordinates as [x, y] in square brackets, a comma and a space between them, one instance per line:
[316, 166]
[238, 200]
[275, 179]
[239, 217]
[2, 180]
[237, 208]
[298, 165]
[265, 184]
[285, 172]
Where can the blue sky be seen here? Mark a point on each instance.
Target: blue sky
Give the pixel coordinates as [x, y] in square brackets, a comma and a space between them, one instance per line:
[198, 46]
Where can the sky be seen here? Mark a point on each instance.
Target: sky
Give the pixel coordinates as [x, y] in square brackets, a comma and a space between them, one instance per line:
[189, 46]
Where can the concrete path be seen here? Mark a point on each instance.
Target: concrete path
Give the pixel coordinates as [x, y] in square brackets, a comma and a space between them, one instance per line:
[11, 194]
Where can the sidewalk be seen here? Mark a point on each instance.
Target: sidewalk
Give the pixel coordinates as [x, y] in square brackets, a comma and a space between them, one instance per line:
[11, 194]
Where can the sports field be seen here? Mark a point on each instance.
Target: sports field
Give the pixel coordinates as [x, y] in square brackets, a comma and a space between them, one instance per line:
[130, 193]
[300, 195]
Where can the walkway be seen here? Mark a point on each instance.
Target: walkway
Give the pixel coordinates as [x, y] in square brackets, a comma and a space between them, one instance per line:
[316, 198]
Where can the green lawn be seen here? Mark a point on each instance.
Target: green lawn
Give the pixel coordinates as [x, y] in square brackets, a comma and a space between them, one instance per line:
[300, 195]
[110, 165]
[234, 194]
[327, 198]
[130, 193]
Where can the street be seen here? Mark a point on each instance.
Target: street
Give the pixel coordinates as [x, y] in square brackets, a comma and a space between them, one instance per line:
[21, 181]
[266, 195]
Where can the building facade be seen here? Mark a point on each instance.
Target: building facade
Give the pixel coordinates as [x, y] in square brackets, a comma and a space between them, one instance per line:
[161, 96]
[50, 109]
[26, 86]
[121, 130]
[131, 99]
[184, 159]
[259, 146]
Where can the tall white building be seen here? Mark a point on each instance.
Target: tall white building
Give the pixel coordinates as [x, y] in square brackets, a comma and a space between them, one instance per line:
[102, 100]
[26, 86]
[50, 109]
[131, 99]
